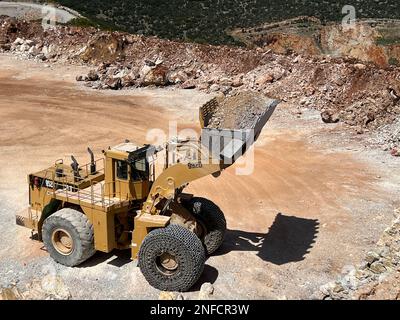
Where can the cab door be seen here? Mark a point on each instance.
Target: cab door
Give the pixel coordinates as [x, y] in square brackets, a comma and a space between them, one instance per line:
[121, 184]
[140, 178]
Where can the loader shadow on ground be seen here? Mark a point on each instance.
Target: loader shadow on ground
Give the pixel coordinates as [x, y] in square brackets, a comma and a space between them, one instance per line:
[289, 239]
[210, 274]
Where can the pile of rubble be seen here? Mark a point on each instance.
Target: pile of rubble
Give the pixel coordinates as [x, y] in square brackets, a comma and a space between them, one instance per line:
[362, 96]
[50, 287]
[35, 50]
[393, 138]
[388, 138]
[377, 277]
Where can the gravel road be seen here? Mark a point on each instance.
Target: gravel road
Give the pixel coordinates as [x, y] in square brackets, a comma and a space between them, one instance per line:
[33, 11]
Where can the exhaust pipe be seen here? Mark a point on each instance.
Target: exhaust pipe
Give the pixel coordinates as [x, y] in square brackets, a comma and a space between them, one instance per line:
[93, 169]
[75, 168]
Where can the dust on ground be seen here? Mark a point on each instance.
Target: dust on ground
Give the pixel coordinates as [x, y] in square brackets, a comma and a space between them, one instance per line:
[317, 200]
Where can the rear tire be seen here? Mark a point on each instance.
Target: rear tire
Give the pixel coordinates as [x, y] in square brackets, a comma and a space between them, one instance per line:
[69, 237]
[212, 218]
[171, 258]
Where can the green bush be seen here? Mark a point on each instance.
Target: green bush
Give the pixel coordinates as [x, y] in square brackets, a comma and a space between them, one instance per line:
[394, 62]
[207, 20]
[81, 22]
[387, 41]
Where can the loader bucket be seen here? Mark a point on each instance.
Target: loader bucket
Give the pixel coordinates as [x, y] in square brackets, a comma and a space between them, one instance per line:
[231, 125]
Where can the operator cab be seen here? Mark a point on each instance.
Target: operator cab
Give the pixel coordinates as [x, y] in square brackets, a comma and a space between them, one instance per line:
[129, 171]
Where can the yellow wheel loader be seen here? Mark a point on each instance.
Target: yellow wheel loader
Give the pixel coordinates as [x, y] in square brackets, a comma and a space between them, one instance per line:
[121, 202]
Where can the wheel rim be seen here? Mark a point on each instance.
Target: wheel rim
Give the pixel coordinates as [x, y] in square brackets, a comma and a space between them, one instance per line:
[62, 241]
[167, 263]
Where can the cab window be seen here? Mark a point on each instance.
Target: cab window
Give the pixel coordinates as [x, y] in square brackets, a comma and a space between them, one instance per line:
[140, 170]
[122, 170]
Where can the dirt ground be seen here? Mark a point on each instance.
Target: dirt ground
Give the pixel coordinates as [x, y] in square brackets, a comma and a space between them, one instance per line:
[318, 198]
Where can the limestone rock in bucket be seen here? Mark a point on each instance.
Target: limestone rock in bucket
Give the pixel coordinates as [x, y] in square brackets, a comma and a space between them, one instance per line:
[206, 291]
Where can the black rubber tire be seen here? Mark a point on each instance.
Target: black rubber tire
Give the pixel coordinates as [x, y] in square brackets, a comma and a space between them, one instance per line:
[187, 249]
[212, 217]
[81, 230]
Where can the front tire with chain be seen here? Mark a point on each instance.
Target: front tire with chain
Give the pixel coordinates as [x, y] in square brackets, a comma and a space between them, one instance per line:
[171, 258]
[69, 237]
[212, 218]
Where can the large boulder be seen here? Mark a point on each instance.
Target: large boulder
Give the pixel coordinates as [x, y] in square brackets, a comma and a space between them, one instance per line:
[156, 75]
[34, 50]
[264, 79]
[113, 83]
[206, 291]
[93, 75]
[129, 79]
[329, 117]
[18, 41]
[177, 76]
[103, 47]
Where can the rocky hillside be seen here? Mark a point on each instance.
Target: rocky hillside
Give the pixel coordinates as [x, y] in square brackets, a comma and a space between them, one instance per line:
[319, 32]
[373, 40]
[362, 96]
[208, 20]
